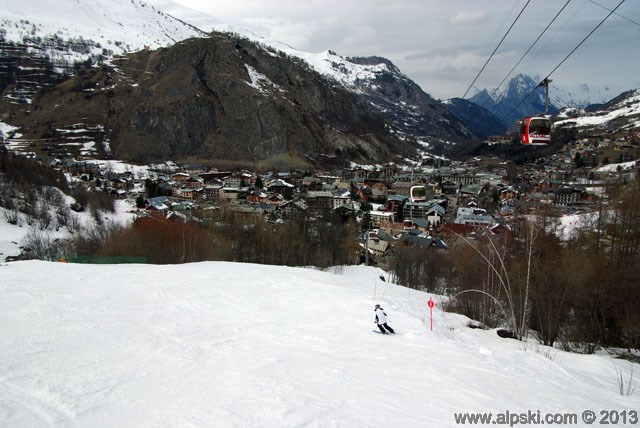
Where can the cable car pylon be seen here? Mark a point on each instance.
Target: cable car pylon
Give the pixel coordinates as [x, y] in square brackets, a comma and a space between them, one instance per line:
[545, 85]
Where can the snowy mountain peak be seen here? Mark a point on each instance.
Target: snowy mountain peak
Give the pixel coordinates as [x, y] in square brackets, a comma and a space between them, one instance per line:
[577, 95]
[117, 25]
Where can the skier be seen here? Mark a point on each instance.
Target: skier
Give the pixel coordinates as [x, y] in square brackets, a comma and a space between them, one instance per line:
[381, 320]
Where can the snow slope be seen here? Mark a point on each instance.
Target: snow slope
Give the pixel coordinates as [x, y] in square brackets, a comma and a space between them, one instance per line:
[118, 25]
[234, 345]
[12, 237]
[627, 108]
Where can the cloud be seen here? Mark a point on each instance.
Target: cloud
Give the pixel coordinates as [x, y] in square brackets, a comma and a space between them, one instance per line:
[443, 45]
[465, 17]
[295, 33]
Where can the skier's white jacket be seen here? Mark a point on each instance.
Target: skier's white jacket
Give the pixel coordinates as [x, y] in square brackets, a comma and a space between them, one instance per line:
[381, 317]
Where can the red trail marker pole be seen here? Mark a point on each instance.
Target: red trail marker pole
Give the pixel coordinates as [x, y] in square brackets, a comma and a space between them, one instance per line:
[431, 305]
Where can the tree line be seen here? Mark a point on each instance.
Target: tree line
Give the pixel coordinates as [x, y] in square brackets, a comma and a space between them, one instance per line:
[578, 290]
[225, 235]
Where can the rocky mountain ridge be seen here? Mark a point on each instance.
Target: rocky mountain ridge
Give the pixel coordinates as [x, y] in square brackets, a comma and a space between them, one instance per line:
[226, 98]
[253, 103]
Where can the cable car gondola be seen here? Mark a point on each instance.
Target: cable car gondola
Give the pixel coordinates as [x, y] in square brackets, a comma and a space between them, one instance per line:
[535, 131]
[418, 194]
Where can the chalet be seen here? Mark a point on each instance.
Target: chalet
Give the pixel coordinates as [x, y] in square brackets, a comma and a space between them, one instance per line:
[359, 175]
[435, 215]
[510, 192]
[312, 183]
[381, 218]
[212, 191]
[566, 196]
[330, 179]
[449, 187]
[401, 188]
[275, 199]
[180, 177]
[341, 197]
[319, 200]
[470, 191]
[379, 192]
[475, 219]
[76, 168]
[545, 184]
[433, 187]
[256, 197]
[164, 189]
[415, 210]
[159, 203]
[193, 168]
[293, 206]
[193, 182]
[214, 176]
[395, 203]
[294, 177]
[119, 182]
[237, 180]
[346, 210]
[250, 212]
[378, 247]
[492, 179]
[187, 193]
[282, 187]
[500, 229]
[420, 224]
[420, 240]
[457, 229]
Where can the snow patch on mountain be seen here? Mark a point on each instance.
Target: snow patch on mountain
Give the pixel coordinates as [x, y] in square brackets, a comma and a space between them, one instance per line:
[115, 26]
[629, 108]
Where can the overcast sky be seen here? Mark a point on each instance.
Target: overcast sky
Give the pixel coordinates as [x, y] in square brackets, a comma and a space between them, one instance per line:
[443, 44]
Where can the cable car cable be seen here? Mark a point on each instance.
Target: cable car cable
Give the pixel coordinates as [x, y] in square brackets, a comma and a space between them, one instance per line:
[583, 40]
[552, 38]
[466, 78]
[566, 57]
[494, 51]
[534, 43]
[620, 15]
[529, 50]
